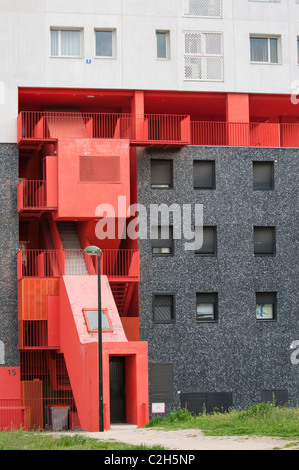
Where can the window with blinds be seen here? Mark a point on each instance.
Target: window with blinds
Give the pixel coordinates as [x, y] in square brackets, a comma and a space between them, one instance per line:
[203, 59]
[163, 308]
[205, 8]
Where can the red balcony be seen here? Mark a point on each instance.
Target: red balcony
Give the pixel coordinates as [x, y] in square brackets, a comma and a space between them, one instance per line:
[33, 196]
[35, 128]
[117, 265]
[244, 134]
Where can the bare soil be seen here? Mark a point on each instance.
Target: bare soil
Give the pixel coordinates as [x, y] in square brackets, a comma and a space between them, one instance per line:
[191, 440]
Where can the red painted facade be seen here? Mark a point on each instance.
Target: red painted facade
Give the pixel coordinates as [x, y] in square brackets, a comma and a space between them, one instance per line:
[70, 163]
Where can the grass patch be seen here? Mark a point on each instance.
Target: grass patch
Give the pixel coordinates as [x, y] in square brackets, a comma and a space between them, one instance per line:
[264, 419]
[23, 440]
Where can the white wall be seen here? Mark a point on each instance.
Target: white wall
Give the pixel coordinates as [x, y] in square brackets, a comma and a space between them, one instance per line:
[25, 47]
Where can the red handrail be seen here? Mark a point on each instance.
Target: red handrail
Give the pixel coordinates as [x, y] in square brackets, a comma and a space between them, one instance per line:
[115, 264]
[154, 128]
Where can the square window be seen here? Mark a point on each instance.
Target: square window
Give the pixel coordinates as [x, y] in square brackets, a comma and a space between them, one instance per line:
[91, 318]
[206, 307]
[264, 241]
[266, 306]
[162, 240]
[163, 308]
[209, 246]
[264, 49]
[204, 174]
[263, 176]
[66, 42]
[105, 43]
[161, 174]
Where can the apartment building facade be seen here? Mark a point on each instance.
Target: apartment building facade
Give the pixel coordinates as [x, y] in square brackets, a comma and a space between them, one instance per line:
[113, 110]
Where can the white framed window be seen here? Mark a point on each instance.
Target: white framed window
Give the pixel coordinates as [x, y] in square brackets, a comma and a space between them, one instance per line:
[163, 44]
[105, 43]
[66, 42]
[265, 49]
[203, 58]
[203, 8]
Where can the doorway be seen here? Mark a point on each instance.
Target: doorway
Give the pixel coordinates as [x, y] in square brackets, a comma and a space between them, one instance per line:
[117, 373]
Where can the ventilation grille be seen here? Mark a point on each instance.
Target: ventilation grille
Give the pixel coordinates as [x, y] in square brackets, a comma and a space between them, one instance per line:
[210, 8]
[203, 56]
[99, 169]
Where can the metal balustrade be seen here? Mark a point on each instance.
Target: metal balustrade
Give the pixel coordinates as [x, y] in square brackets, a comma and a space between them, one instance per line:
[138, 129]
[32, 196]
[152, 130]
[115, 264]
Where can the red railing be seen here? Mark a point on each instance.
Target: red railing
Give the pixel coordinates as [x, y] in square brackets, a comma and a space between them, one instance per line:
[139, 129]
[252, 134]
[32, 195]
[236, 134]
[116, 264]
[40, 263]
[153, 129]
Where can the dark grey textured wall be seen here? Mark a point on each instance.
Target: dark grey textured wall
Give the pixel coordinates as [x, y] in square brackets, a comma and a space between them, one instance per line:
[9, 232]
[237, 354]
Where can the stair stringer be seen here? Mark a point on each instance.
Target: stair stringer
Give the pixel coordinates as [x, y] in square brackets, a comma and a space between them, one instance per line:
[80, 348]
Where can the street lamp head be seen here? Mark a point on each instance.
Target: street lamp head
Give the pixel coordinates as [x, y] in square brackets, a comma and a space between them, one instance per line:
[93, 250]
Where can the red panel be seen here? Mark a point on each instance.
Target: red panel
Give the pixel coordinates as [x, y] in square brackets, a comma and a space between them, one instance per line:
[237, 107]
[10, 388]
[53, 321]
[80, 200]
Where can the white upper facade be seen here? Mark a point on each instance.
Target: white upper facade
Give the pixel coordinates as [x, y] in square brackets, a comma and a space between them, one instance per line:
[240, 46]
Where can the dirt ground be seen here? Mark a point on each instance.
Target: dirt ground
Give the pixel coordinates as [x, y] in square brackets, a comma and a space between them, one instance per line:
[190, 440]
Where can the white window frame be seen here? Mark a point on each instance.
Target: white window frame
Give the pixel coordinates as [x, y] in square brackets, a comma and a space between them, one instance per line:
[62, 28]
[111, 30]
[167, 39]
[205, 56]
[268, 37]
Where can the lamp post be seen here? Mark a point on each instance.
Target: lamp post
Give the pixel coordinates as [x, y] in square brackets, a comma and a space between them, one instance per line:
[94, 250]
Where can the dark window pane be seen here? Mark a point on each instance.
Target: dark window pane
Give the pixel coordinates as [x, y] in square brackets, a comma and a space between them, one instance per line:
[266, 306]
[209, 246]
[163, 308]
[162, 240]
[264, 240]
[204, 174]
[263, 175]
[206, 307]
[161, 173]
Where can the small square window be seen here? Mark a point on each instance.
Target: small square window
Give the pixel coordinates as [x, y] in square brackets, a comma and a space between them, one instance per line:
[266, 306]
[264, 241]
[161, 174]
[105, 43]
[162, 240]
[163, 308]
[206, 307]
[209, 246]
[204, 174]
[91, 319]
[66, 42]
[263, 176]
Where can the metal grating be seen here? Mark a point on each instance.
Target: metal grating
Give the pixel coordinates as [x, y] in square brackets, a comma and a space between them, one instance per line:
[205, 8]
[203, 56]
[99, 169]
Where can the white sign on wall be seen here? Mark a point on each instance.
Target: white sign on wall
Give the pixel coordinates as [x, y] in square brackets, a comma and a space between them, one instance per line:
[158, 408]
